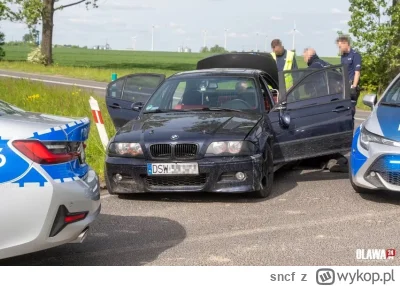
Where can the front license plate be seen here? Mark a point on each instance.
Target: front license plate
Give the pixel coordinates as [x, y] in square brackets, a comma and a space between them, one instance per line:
[172, 169]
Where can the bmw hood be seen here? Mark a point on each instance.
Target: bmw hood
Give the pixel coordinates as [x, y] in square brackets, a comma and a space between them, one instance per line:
[188, 126]
[23, 125]
[382, 121]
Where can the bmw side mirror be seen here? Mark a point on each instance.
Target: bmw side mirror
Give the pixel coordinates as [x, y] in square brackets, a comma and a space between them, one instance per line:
[137, 106]
[285, 119]
[370, 100]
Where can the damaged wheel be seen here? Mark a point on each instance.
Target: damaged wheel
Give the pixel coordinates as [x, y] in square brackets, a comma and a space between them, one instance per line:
[267, 179]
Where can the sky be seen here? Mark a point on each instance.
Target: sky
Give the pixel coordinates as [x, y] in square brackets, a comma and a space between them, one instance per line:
[250, 24]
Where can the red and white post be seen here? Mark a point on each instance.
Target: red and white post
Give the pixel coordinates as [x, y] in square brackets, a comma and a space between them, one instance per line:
[98, 119]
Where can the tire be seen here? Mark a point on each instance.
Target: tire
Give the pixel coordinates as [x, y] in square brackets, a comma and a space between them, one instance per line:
[356, 188]
[108, 183]
[267, 180]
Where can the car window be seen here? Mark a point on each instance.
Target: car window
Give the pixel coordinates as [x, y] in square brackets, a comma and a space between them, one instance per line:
[312, 86]
[115, 89]
[139, 88]
[206, 91]
[393, 94]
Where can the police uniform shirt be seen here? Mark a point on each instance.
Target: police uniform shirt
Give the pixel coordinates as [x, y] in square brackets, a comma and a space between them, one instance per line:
[353, 61]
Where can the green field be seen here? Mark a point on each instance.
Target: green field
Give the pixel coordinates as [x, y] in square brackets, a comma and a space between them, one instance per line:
[100, 64]
[38, 97]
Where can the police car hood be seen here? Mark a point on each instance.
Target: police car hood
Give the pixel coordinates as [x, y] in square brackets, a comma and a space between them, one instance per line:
[23, 125]
[382, 122]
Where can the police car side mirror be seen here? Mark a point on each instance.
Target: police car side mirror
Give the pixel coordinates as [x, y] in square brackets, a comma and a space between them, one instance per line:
[370, 100]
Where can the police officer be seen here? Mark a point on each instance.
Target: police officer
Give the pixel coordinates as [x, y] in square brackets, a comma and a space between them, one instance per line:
[285, 60]
[352, 59]
[312, 60]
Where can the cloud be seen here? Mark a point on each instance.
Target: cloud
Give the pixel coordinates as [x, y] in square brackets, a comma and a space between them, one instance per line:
[344, 21]
[236, 35]
[276, 18]
[127, 7]
[174, 25]
[338, 11]
[336, 30]
[317, 32]
[180, 31]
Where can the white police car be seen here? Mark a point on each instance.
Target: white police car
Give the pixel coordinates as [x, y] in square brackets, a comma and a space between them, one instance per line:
[375, 155]
[48, 194]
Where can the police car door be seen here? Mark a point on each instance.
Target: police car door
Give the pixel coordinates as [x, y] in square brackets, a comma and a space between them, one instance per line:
[314, 114]
[126, 94]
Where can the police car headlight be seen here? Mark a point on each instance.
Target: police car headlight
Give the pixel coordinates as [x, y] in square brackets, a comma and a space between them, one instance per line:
[367, 137]
[229, 148]
[125, 150]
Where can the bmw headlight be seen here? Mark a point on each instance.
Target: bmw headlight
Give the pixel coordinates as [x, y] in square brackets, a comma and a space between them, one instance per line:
[228, 148]
[125, 150]
[367, 137]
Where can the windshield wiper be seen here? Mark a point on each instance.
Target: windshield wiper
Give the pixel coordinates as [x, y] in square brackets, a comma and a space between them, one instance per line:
[165, 110]
[391, 104]
[217, 109]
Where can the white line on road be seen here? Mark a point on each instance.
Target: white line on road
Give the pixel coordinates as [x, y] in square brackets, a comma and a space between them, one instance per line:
[55, 82]
[361, 119]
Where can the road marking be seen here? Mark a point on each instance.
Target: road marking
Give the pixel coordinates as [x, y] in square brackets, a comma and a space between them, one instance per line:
[54, 82]
[360, 119]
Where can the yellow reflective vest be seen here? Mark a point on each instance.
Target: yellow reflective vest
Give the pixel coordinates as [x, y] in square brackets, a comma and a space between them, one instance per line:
[288, 66]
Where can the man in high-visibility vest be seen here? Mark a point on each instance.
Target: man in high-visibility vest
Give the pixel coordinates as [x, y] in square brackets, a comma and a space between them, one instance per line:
[285, 60]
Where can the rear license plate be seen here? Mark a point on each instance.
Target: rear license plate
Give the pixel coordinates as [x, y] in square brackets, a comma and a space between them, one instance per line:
[172, 169]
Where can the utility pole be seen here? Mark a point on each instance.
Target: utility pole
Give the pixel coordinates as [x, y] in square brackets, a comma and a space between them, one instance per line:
[226, 34]
[152, 38]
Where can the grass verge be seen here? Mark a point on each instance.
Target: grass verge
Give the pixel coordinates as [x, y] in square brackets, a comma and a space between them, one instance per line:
[68, 102]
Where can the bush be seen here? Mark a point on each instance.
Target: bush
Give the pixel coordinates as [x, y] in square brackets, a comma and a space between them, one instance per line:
[36, 56]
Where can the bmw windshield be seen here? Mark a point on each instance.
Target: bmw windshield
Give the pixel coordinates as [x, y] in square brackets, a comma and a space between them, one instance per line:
[392, 97]
[222, 93]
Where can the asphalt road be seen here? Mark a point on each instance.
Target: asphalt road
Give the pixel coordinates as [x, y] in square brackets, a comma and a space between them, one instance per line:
[312, 218]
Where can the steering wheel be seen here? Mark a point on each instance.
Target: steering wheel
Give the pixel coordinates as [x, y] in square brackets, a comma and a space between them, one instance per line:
[240, 101]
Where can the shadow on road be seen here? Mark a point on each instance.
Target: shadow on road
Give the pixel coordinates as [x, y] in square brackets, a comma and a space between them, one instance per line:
[284, 181]
[113, 240]
[383, 197]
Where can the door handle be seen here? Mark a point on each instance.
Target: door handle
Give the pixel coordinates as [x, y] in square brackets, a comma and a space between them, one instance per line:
[341, 109]
[115, 106]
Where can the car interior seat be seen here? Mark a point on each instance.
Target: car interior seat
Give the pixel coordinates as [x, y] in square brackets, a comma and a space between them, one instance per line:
[192, 97]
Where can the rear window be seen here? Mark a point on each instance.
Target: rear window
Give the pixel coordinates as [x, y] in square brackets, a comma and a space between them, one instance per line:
[6, 109]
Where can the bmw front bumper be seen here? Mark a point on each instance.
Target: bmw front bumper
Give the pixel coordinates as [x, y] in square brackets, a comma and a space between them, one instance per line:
[215, 175]
[377, 168]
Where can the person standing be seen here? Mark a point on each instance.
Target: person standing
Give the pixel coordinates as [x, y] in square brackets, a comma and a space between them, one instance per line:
[285, 60]
[312, 60]
[353, 60]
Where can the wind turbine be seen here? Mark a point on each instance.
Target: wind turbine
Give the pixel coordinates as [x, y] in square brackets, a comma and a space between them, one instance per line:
[294, 32]
[257, 41]
[134, 42]
[152, 38]
[226, 34]
[204, 38]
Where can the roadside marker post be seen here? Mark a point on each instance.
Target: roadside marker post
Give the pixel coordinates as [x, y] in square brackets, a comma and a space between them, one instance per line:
[98, 119]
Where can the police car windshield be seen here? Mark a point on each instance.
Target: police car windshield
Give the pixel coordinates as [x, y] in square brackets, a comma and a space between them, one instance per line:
[6, 109]
[392, 97]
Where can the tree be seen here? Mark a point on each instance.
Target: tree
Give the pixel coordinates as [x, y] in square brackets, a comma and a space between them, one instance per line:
[377, 40]
[218, 50]
[34, 12]
[2, 52]
[28, 38]
[204, 50]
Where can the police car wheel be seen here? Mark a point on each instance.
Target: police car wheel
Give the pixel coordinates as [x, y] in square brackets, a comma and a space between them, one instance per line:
[268, 176]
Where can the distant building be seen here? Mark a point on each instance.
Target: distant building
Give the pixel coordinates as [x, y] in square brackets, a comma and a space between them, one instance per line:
[184, 50]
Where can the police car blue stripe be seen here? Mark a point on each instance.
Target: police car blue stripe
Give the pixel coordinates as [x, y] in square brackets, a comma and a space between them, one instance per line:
[357, 158]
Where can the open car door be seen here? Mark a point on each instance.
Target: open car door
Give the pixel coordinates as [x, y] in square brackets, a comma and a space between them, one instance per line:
[314, 114]
[126, 95]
